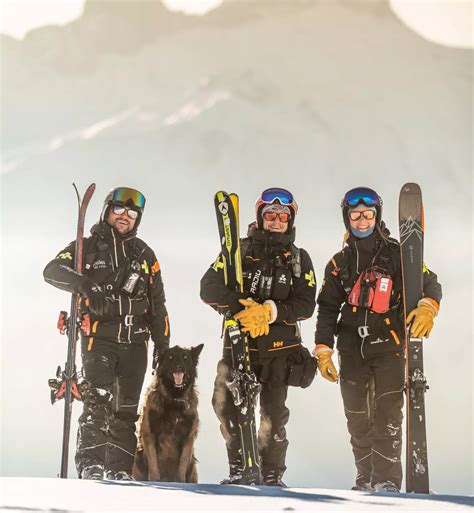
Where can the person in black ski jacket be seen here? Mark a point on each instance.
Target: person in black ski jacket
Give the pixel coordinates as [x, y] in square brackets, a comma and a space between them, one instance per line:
[279, 291]
[361, 304]
[123, 303]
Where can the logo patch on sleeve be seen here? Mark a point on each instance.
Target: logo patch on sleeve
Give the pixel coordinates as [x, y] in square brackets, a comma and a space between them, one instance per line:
[311, 279]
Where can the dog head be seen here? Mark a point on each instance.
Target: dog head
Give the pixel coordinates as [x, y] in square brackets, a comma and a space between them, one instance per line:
[177, 368]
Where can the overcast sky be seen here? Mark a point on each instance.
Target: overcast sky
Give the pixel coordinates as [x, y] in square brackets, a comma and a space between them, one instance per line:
[446, 22]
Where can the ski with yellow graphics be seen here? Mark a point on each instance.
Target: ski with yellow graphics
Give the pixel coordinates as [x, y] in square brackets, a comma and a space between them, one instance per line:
[243, 384]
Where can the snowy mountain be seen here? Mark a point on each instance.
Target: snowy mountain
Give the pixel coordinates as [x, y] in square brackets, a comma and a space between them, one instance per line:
[314, 96]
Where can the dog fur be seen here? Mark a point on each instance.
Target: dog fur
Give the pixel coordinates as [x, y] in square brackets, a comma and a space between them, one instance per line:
[169, 421]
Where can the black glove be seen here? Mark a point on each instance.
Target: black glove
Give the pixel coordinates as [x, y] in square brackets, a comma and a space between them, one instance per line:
[96, 297]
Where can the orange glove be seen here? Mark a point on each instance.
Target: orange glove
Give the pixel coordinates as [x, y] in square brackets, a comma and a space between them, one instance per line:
[323, 354]
[423, 317]
[256, 318]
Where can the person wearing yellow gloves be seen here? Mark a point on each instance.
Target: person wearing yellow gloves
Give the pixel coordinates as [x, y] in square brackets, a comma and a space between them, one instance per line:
[361, 304]
[279, 291]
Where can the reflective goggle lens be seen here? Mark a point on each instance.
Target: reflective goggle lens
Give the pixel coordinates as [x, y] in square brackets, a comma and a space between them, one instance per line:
[271, 216]
[119, 210]
[356, 215]
[126, 195]
[361, 195]
[282, 195]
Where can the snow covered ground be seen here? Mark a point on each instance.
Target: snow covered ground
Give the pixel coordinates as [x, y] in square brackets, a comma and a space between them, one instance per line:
[72, 495]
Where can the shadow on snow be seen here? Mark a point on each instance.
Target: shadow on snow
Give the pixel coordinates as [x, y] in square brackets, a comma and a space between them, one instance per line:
[287, 493]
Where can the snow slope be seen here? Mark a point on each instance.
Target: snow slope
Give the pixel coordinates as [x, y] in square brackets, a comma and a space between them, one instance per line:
[21, 494]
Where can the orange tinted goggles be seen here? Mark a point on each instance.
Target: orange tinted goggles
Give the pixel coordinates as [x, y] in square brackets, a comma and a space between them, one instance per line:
[272, 216]
[357, 214]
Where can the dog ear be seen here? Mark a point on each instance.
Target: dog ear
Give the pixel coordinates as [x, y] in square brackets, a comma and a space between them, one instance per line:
[195, 352]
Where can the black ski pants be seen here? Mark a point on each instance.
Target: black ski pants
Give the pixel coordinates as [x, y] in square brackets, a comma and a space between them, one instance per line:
[274, 415]
[372, 393]
[115, 374]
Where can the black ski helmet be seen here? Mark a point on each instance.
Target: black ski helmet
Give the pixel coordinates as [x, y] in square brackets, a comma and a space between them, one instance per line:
[357, 196]
[276, 195]
[126, 197]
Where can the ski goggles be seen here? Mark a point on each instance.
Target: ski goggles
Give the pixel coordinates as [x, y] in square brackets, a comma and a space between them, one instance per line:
[272, 216]
[357, 214]
[358, 195]
[130, 196]
[282, 195]
[119, 210]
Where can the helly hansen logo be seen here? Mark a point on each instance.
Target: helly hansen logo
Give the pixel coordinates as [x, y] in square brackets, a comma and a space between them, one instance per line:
[278, 343]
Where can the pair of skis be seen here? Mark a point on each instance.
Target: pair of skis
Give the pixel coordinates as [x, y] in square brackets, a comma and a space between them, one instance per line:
[243, 384]
[411, 226]
[65, 385]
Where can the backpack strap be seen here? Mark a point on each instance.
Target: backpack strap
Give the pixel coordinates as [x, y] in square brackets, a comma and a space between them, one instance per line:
[245, 244]
[295, 261]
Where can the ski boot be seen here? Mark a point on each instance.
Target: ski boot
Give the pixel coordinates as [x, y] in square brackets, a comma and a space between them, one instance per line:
[387, 486]
[93, 472]
[118, 475]
[273, 478]
[235, 474]
[362, 487]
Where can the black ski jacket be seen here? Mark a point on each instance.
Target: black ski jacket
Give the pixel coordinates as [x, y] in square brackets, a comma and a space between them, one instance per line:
[336, 317]
[107, 259]
[273, 268]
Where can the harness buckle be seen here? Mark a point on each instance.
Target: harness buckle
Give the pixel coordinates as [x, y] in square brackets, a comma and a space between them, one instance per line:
[363, 331]
[128, 320]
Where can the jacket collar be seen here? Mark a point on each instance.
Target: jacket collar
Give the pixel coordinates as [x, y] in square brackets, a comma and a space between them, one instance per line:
[270, 239]
[372, 242]
[109, 234]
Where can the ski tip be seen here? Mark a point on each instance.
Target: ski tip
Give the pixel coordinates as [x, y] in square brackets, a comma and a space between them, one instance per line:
[411, 187]
[91, 187]
[220, 194]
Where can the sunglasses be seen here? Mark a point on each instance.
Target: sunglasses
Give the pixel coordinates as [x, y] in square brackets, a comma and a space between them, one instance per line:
[368, 214]
[361, 195]
[127, 195]
[119, 210]
[272, 216]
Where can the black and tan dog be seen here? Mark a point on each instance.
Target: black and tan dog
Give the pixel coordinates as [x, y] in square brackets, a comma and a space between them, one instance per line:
[169, 422]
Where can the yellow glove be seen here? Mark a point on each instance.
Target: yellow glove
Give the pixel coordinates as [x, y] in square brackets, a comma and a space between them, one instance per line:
[423, 317]
[323, 354]
[255, 319]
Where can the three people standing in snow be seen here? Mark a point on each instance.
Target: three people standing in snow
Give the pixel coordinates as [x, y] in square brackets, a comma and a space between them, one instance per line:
[279, 291]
